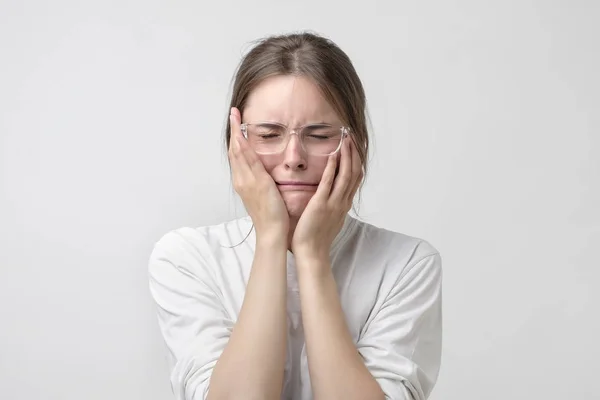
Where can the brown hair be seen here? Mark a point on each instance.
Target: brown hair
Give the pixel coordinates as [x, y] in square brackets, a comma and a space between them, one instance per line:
[314, 57]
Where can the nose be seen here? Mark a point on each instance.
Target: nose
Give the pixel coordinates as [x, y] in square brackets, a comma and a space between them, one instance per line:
[294, 154]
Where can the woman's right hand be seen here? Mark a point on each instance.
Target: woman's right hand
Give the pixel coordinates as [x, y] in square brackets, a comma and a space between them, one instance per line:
[255, 186]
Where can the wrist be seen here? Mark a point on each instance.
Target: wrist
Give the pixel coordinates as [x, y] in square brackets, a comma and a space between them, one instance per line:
[271, 240]
[312, 261]
[312, 254]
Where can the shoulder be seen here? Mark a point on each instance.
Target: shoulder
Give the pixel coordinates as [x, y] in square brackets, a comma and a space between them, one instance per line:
[392, 252]
[205, 237]
[194, 248]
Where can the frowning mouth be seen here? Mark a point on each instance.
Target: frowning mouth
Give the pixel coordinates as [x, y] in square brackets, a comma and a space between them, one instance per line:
[297, 186]
[296, 183]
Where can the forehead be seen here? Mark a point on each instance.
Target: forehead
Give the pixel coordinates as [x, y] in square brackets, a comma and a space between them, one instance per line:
[288, 99]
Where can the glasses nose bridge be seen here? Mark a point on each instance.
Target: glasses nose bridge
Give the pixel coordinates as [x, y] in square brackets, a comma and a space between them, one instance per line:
[293, 131]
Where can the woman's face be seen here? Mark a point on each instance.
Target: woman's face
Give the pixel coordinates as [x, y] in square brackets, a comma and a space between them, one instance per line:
[293, 101]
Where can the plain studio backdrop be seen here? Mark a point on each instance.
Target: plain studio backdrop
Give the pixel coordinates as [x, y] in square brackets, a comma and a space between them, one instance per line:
[486, 133]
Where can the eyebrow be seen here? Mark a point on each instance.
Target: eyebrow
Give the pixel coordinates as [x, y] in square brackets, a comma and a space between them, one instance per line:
[280, 123]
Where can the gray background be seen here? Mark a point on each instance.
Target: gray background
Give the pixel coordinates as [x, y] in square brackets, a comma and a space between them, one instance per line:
[486, 125]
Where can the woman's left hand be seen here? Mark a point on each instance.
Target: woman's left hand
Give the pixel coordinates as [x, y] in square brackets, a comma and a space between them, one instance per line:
[326, 211]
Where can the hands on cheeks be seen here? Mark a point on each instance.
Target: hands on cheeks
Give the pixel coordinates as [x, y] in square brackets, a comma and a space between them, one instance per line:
[324, 215]
[326, 211]
[255, 186]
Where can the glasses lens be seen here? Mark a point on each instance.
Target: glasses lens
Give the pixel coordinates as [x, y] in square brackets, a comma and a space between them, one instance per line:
[270, 138]
[321, 140]
[267, 138]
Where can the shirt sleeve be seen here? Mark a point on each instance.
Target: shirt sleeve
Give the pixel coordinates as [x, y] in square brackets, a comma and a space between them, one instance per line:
[193, 322]
[401, 343]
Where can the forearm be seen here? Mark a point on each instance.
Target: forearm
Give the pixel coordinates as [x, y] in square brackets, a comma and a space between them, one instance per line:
[337, 370]
[252, 364]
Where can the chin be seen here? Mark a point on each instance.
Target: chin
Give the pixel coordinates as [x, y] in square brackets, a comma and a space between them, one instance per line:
[296, 202]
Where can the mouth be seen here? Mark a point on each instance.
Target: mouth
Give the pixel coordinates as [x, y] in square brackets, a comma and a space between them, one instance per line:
[298, 186]
[296, 183]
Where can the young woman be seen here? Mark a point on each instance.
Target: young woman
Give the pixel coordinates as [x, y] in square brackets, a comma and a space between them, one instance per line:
[298, 300]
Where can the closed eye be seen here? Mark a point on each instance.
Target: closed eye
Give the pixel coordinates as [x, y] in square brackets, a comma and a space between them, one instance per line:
[319, 137]
[321, 132]
[267, 131]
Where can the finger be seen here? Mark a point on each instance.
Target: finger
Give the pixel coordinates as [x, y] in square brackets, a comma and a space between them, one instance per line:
[241, 170]
[231, 151]
[250, 158]
[234, 136]
[233, 133]
[235, 121]
[324, 188]
[357, 172]
[343, 180]
[236, 111]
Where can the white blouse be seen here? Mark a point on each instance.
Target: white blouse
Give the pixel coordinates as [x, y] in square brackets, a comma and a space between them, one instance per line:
[390, 288]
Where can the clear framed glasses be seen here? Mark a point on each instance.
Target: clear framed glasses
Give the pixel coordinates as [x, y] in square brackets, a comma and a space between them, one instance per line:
[273, 138]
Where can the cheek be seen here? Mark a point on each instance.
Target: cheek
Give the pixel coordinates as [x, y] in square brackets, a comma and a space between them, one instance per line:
[269, 162]
[318, 165]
